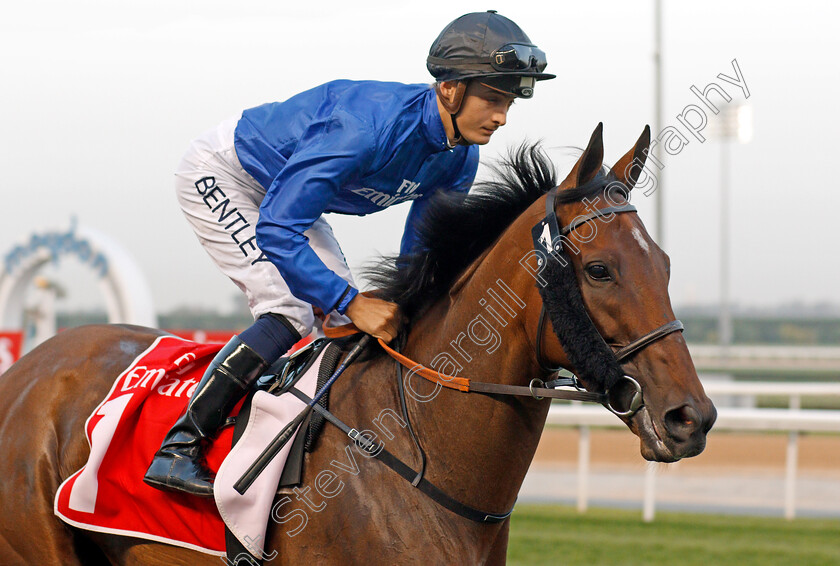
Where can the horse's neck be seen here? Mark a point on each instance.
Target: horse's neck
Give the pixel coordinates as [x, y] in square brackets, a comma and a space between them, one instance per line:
[479, 447]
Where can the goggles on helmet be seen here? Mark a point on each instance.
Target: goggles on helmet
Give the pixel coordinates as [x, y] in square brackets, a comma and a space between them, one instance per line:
[522, 87]
[518, 57]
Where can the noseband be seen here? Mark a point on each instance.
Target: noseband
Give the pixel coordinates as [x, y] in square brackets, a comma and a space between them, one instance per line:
[548, 241]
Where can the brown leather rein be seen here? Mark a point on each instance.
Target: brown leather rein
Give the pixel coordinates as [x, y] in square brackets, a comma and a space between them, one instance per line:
[464, 384]
[538, 389]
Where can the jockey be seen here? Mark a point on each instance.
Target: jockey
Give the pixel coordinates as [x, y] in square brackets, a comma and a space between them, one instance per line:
[255, 190]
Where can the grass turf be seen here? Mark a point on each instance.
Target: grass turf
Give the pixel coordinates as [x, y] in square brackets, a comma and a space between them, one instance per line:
[558, 535]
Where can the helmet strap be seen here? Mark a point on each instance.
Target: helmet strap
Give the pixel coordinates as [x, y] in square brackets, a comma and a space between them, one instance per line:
[458, 140]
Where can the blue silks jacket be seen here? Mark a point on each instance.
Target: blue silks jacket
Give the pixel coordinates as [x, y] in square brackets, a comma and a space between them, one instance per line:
[347, 147]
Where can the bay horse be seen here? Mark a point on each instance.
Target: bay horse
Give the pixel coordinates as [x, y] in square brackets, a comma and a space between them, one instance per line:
[475, 303]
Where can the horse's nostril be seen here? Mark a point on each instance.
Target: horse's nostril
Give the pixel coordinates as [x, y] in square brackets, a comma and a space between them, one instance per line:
[683, 422]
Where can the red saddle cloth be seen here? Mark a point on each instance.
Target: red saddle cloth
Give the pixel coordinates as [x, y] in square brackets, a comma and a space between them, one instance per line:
[108, 494]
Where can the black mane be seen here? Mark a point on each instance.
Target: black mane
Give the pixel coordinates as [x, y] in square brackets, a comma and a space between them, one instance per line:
[458, 227]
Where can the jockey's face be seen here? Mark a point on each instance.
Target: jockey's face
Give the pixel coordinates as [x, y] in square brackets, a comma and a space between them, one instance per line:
[483, 111]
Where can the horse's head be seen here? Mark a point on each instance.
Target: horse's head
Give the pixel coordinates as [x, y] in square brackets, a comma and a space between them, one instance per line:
[602, 280]
[623, 278]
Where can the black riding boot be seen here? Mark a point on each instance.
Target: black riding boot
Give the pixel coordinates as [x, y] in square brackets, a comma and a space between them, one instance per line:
[178, 464]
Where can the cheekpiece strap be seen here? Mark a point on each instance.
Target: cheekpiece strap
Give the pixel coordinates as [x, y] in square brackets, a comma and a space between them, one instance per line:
[546, 232]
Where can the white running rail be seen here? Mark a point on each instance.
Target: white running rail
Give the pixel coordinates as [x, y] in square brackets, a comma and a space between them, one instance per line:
[793, 420]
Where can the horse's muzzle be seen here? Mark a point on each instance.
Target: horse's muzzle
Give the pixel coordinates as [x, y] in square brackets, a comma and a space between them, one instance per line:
[686, 427]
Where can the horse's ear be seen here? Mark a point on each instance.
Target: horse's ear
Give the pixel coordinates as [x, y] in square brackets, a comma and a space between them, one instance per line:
[590, 161]
[628, 168]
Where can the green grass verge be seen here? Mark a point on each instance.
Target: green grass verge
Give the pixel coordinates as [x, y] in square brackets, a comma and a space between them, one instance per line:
[558, 535]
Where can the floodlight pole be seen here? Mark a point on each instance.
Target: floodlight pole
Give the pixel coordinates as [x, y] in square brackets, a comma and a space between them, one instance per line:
[735, 124]
[725, 315]
[658, 96]
[649, 505]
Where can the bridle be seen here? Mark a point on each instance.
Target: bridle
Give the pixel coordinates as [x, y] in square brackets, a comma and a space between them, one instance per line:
[548, 243]
[547, 237]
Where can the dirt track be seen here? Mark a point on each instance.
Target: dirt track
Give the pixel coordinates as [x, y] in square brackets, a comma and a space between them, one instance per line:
[620, 448]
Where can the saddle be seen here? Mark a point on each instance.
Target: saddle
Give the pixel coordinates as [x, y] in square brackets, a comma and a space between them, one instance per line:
[280, 379]
[282, 376]
[107, 493]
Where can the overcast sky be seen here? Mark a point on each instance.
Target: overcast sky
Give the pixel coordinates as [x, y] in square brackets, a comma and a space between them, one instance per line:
[99, 99]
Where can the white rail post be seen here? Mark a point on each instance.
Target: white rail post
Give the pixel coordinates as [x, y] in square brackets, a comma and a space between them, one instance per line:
[648, 508]
[583, 470]
[791, 463]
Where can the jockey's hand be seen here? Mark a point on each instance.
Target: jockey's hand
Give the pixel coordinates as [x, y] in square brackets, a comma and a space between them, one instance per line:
[380, 319]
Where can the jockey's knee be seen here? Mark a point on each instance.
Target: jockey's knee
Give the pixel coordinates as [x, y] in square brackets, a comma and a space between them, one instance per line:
[271, 336]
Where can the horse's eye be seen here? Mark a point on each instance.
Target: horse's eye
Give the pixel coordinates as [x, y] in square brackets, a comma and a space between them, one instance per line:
[598, 272]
